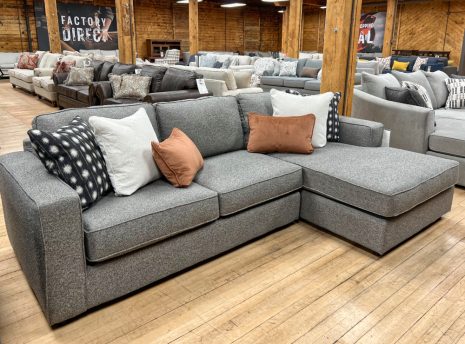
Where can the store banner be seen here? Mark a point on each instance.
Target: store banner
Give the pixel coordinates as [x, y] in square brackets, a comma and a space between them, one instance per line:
[81, 26]
[371, 36]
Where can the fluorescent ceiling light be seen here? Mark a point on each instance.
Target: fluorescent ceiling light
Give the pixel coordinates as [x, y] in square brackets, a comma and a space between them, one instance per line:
[233, 4]
[275, 0]
[185, 1]
[323, 7]
[281, 11]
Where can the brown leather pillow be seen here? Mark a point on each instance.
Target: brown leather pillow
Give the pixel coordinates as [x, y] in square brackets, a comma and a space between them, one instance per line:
[178, 158]
[309, 72]
[290, 134]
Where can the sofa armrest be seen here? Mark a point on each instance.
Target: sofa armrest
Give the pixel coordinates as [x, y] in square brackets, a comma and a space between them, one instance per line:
[170, 96]
[360, 132]
[93, 94]
[44, 225]
[103, 90]
[217, 87]
[43, 71]
[410, 125]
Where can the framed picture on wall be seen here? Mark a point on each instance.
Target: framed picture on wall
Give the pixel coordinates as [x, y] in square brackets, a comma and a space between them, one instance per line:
[371, 34]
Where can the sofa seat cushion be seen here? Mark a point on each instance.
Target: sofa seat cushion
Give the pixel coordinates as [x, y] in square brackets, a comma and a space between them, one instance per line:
[312, 85]
[250, 90]
[295, 82]
[449, 113]
[117, 225]
[70, 91]
[44, 82]
[244, 179]
[25, 75]
[83, 95]
[272, 80]
[381, 180]
[449, 137]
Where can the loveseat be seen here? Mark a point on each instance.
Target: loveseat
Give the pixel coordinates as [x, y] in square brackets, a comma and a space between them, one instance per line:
[438, 131]
[75, 260]
[7, 62]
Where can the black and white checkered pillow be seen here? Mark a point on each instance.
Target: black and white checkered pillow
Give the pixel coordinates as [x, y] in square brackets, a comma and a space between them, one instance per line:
[72, 154]
[332, 126]
[456, 98]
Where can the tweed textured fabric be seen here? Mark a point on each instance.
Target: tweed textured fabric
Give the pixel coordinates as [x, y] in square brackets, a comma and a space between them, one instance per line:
[449, 137]
[212, 123]
[72, 154]
[118, 225]
[456, 99]
[80, 76]
[55, 120]
[377, 180]
[375, 233]
[116, 277]
[421, 91]
[244, 179]
[43, 217]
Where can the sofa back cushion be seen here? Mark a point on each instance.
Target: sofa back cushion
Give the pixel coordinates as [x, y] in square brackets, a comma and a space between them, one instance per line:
[53, 121]
[105, 70]
[257, 102]
[212, 123]
[376, 84]
[225, 75]
[176, 79]
[420, 79]
[123, 68]
[49, 60]
[156, 73]
[437, 80]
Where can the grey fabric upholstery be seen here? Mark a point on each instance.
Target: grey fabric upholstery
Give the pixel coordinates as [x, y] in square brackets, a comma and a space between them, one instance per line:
[384, 181]
[244, 179]
[117, 225]
[438, 86]
[55, 120]
[174, 96]
[410, 125]
[420, 79]
[43, 220]
[458, 114]
[460, 160]
[360, 132]
[375, 233]
[212, 123]
[272, 80]
[295, 82]
[120, 101]
[376, 84]
[260, 103]
[449, 137]
[113, 278]
[313, 85]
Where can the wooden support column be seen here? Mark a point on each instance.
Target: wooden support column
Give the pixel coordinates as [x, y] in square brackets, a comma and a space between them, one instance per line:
[284, 32]
[389, 27]
[340, 48]
[126, 31]
[294, 28]
[51, 14]
[193, 27]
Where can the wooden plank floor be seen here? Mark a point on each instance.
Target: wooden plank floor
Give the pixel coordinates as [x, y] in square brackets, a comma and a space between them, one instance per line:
[297, 285]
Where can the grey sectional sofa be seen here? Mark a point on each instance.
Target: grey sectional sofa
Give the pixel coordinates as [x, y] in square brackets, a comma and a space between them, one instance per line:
[439, 132]
[74, 260]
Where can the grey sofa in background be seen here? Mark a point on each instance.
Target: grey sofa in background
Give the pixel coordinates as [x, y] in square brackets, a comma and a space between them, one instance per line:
[439, 132]
[74, 260]
[7, 62]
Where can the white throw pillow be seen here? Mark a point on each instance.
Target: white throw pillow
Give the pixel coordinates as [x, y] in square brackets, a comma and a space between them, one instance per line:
[285, 104]
[126, 147]
[288, 68]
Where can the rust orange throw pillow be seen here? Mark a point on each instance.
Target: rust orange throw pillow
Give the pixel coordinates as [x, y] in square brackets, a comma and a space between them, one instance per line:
[290, 134]
[178, 158]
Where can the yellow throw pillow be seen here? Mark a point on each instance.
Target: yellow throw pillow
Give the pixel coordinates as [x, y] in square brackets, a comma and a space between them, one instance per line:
[400, 66]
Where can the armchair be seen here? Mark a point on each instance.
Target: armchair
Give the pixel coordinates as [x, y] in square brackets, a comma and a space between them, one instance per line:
[171, 57]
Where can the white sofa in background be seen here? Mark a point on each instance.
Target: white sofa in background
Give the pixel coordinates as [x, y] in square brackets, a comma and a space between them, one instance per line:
[7, 62]
[23, 77]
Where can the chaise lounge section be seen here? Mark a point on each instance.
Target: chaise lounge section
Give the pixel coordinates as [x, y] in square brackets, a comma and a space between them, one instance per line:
[74, 260]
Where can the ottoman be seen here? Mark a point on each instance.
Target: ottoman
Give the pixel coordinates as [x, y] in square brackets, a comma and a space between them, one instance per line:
[44, 87]
[375, 197]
